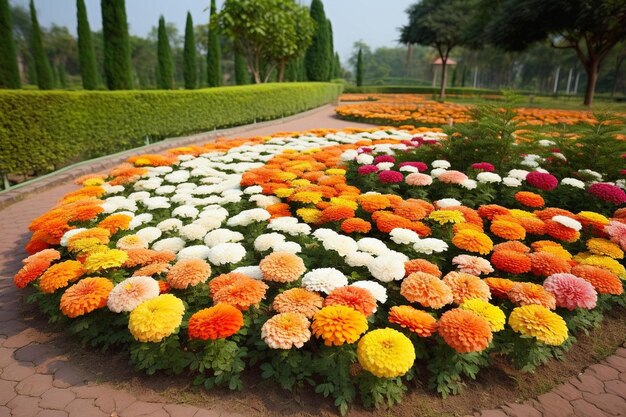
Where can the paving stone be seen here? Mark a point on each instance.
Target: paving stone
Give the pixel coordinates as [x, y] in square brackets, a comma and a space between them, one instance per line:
[555, 406]
[179, 410]
[56, 398]
[20, 335]
[617, 362]
[616, 387]
[143, 408]
[34, 385]
[490, 413]
[6, 357]
[622, 376]
[36, 353]
[584, 409]
[568, 391]
[114, 400]
[621, 352]
[80, 407]
[588, 383]
[69, 375]
[603, 372]
[610, 403]
[87, 391]
[18, 371]
[52, 413]
[5, 411]
[24, 406]
[207, 413]
[520, 410]
[7, 391]
[51, 365]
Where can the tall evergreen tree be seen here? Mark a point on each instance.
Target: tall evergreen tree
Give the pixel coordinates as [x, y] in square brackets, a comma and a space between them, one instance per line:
[214, 54]
[317, 56]
[331, 50]
[242, 76]
[337, 67]
[117, 65]
[190, 72]
[42, 65]
[359, 69]
[165, 73]
[86, 54]
[9, 71]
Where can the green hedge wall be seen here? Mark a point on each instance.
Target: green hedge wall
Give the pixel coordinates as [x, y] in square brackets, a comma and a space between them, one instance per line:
[42, 131]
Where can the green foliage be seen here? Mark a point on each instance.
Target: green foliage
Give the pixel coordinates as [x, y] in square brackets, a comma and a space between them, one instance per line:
[378, 392]
[220, 362]
[9, 72]
[86, 52]
[290, 368]
[190, 72]
[333, 365]
[166, 355]
[447, 368]
[359, 69]
[165, 69]
[45, 80]
[242, 76]
[214, 54]
[117, 66]
[40, 131]
[319, 55]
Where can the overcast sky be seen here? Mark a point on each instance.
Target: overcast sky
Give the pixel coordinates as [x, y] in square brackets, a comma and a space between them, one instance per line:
[373, 21]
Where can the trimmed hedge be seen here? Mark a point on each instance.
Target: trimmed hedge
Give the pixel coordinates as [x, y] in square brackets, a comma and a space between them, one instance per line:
[42, 131]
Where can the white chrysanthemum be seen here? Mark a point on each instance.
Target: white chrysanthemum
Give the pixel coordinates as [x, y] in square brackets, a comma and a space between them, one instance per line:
[170, 225]
[372, 245]
[255, 189]
[365, 159]
[529, 163]
[193, 232]
[194, 252]
[289, 225]
[112, 189]
[139, 195]
[154, 203]
[488, 177]
[122, 203]
[349, 155]
[161, 169]
[227, 253]
[209, 223]
[165, 189]
[469, 184]
[520, 174]
[591, 173]
[430, 245]
[251, 271]
[384, 166]
[437, 172]
[543, 171]
[511, 182]
[568, 222]
[358, 259]
[264, 201]
[248, 217]
[67, 235]
[447, 202]
[378, 291]
[386, 269]
[408, 168]
[177, 177]
[560, 156]
[343, 245]
[403, 236]
[150, 234]
[323, 233]
[441, 163]
[173, 244]
[324, 280]
[139, 220]
[398, 256]
[267, 241]
[186, 211]
[132, 242]
[573, 182]
[131, 292]
[218, 236]
[546, 142]
[291, 247]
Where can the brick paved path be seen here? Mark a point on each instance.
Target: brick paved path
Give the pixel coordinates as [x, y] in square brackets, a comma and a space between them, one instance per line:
[39, 379]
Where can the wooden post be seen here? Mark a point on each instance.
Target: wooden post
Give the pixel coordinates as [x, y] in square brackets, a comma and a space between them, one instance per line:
[556, 80]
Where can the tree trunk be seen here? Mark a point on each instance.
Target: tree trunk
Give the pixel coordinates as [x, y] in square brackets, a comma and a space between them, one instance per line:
[444, 73]
[591, 68]
[281, 72]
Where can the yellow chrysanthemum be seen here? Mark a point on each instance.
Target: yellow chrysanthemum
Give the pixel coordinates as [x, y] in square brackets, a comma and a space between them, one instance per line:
[93, 181]
[335, 171]
[83, 245]
[447, 216]
[286, 176]
[594, 217]
[473, 241]
[306, 197]
[300, 182]
[283, 192]
[521, 214]
[494, 316]
[99, 260]
[336, 201]
[386, 353]
[557, 250]
[599, 246]
[605, 262]
[311, 150]
[157, 318]
[309, 215]
[539, 322]
[338, 324]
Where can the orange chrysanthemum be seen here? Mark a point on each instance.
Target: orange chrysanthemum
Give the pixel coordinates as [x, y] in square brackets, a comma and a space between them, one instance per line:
[513, 245]
[298, 300]
[466, 226]
[34, 266]
[338, 325]
[358, 298]
[152, 269]
[141, 257]
[545, 264]
[59, 275]
[85, 296]
[533, 225]
[188, 273]
[421, 265]
[413, 210]
[511, 261]
[473, 241]
[525, 293]
[499, 287]
[243, 292]
[98, 233]
[164, 287]
[279, 210]
[356, 225]
[549, 212]
[465, 331]
[217, 322]
[488, 211]
[336, 213]
[466, 286]
[115, 222]
[603, 280]
[529, 199]
[426, 289]
[417, 321]
[508, 230]
[560, 232]
[286, 330]
[387, 221]
[282, 267]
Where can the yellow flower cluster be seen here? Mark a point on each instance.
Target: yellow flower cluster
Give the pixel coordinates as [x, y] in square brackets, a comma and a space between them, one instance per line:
[537, 321]
[338, 324]
[105, 259]
[157, 318]
[494, 316]
[386, 353]
[447, 216]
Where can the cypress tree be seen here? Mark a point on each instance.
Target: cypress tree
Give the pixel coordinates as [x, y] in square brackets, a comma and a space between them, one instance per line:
[117, 66]
[165, 73]
[337, 67]
[317, 56]
[42, 65]
[242, 76]
[214, 55]
[331, 51]
[86, 53]
[359, 69]
[9, 71]
[190, 72]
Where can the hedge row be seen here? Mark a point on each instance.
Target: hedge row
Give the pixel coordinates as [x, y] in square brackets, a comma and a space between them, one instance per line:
[400, 89]
[42, 131]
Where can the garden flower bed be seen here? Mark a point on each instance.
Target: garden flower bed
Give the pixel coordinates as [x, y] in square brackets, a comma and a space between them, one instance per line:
[340, 260]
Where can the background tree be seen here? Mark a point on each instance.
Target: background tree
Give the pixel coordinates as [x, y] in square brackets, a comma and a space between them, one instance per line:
[117, 53]
[42, 65]
[189, 63]
[9, 71]
[442, 24]
[591, 28]
[242, 76]
[214, 54]
[359, 69]
[165, 77]
[318, 56]
[86, 53]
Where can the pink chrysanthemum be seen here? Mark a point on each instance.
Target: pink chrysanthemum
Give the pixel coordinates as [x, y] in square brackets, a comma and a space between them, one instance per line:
[419, 179]
[571, 292]
[390, 177]
[419, 165]
[473, 265]
[608, 192]
[617, 231]
[452, 177]
[367, 169]
[384, 158]
[484, 166]
[542, 180]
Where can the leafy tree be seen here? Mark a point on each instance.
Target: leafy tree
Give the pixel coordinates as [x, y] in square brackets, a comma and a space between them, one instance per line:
[359, 69]
[337, 67]
[318, 56]
[86, 52]
[62, 76]
[42, 65]
[241, 70]
[591, 28]
[117, 64]
[442, 24]
[165, 77]
[214, 54]
[189, 68]
[9, 71]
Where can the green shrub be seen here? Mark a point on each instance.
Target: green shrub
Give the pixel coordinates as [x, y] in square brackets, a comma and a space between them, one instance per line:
[41, 131]
[402, 89]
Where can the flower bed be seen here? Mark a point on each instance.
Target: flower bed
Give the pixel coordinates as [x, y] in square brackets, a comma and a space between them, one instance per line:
[347, 261]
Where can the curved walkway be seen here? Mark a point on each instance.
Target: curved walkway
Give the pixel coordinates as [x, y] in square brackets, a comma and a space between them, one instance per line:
[37, 378]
